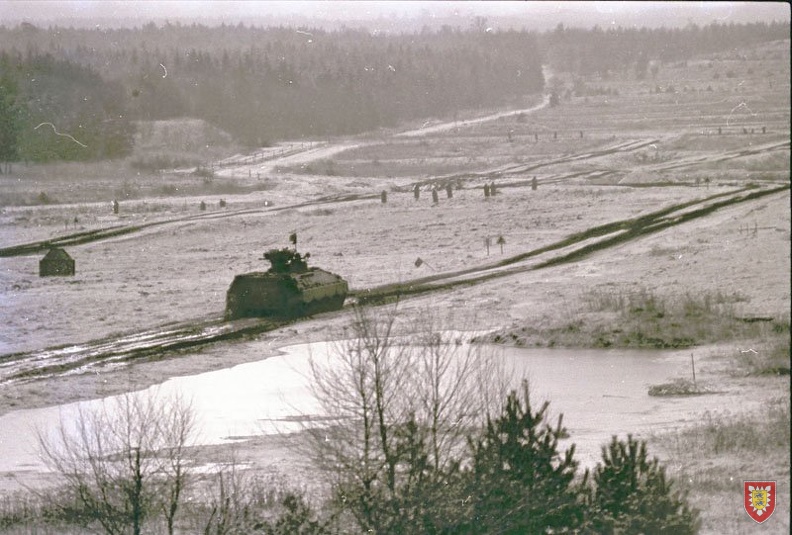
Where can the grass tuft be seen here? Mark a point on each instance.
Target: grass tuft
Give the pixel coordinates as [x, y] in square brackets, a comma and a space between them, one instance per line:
[646, 320]
[677, 387]
[762, 432]
[771, 358]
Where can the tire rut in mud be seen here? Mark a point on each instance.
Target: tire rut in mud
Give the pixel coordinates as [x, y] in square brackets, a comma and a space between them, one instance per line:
[151, 345]
[90, 236]
[612, 234]
[519, 169]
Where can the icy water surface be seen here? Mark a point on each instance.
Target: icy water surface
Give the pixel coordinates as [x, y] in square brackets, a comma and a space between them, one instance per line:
[600, 393]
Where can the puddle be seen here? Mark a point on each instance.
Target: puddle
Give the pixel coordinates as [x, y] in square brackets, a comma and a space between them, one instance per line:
[600, 393]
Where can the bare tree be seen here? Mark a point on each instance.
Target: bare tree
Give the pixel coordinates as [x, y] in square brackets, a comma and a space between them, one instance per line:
[359, 389]
[400, 395]
[453, 385]
[124, 460]
[177, 429]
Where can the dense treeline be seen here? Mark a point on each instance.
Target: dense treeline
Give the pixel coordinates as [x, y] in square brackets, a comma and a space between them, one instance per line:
[264, 85]
[598, 51]
[268, 84]
[52, 109]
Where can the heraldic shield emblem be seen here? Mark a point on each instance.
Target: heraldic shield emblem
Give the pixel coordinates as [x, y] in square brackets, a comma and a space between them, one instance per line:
[759, 498]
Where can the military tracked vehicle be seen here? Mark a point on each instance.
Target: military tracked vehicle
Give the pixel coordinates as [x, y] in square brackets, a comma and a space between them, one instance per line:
[289, 289]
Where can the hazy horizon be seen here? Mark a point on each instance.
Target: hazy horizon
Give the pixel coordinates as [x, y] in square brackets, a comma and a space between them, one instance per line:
[396, 14]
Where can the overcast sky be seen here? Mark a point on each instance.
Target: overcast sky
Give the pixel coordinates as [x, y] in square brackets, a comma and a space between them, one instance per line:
[535, 15]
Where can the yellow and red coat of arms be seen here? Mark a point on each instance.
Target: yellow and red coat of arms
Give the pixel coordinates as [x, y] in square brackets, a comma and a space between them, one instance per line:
[759, 498]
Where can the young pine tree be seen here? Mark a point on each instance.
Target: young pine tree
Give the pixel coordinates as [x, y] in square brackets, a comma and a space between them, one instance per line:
[519, 482]
[631, 495]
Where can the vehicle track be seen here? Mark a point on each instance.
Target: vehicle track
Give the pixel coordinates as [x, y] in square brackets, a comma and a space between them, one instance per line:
[154, 343]
[158, 343]
[500, 172]
[518, 169]
[89, 236]
[571, 248]
[722, 157]
[514, 171]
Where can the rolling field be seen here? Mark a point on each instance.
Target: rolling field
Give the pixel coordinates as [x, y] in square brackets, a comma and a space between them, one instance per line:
[636, 191]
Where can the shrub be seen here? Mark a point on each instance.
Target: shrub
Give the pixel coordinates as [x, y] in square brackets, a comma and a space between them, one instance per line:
[427, 499]
[519, 480]
[234, 502]
[156, 162]
[204, 172]
[646, 319]
[45, 511]
[770, 358]
[758, 433]
[678, 387]
[397, 461]
[296, 518]
[631, 495]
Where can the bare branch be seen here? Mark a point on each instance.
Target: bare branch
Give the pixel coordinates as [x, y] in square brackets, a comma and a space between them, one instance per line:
[124, 459]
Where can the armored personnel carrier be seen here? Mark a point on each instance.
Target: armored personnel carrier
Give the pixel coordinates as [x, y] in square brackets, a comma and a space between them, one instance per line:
[289, 289]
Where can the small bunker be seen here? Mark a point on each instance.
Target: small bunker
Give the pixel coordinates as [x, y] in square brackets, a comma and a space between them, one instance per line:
[56, 262]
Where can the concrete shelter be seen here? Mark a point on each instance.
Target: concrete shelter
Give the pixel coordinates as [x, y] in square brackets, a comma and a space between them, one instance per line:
[56, 262]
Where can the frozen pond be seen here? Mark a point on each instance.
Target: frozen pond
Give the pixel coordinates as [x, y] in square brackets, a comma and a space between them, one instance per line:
[600, 392]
